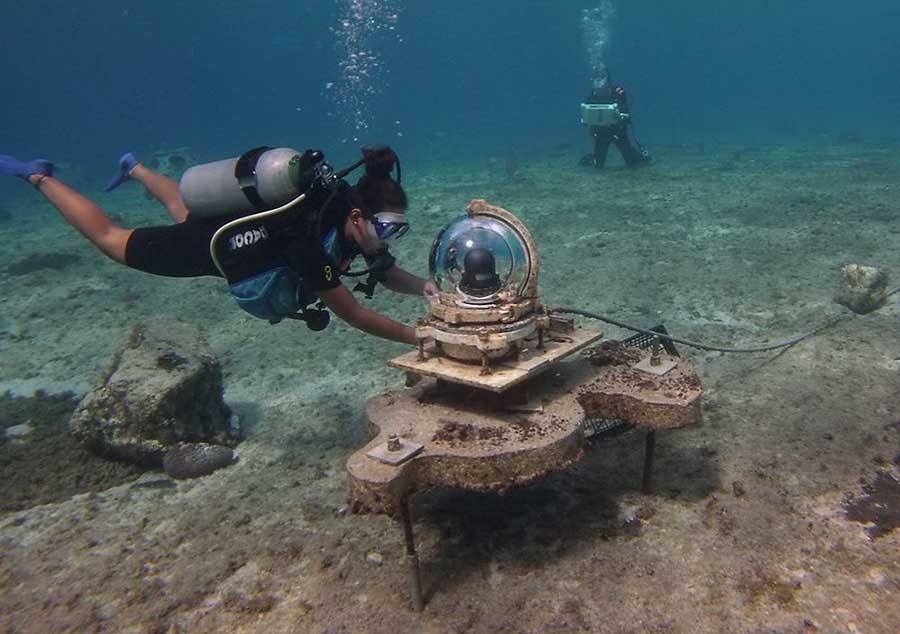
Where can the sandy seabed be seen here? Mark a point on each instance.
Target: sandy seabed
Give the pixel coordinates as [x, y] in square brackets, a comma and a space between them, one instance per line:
[745, 531]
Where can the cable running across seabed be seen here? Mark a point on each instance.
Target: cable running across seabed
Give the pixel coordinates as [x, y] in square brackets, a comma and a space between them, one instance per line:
[701, 346]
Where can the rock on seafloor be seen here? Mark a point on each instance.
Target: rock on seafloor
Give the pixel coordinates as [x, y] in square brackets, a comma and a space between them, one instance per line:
[193, 460]
[18, 434]
[163, 387]
[862, 289]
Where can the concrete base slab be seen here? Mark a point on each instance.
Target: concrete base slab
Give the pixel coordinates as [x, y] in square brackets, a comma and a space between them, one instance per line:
[623, 389]
[471, 439]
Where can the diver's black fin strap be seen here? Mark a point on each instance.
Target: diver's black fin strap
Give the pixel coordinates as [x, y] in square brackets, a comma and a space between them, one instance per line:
[245, 173]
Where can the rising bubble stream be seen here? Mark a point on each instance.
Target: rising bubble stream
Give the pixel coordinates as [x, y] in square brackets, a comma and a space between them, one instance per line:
[364, 28]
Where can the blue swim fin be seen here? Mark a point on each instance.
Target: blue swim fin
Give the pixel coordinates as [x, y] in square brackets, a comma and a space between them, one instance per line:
[127, 162]
[23, 169]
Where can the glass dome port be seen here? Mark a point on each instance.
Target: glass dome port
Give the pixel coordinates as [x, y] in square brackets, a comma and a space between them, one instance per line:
[494, 253]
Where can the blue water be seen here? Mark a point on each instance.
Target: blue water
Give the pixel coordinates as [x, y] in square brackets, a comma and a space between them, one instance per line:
[736, 246]
[85, 81]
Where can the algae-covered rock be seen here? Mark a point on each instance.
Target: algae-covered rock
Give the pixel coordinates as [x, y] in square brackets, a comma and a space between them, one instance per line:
[193, 460]
[164, 387]
[862, 289]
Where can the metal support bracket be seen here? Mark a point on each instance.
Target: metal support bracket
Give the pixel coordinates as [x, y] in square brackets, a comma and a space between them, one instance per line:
[395, 451]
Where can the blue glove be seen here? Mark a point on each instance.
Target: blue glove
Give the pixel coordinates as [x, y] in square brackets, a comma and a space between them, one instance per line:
[127, 162]
[10, 165]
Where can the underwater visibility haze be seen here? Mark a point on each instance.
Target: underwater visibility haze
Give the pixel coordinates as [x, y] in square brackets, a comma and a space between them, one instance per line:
[736, 180]
[225, 76]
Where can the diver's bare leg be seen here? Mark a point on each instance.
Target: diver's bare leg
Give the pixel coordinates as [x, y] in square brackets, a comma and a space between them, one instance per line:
[85, 215]
[163, 188]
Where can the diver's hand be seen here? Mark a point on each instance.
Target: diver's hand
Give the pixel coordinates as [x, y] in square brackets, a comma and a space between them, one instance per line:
[430, 289]
[342, 303]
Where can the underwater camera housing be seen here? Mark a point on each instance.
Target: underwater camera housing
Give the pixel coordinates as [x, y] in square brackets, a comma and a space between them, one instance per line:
[601, 114]
[487, 266]
[487, 312]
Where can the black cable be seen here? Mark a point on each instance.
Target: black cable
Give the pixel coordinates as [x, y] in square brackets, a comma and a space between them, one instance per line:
[701, 346]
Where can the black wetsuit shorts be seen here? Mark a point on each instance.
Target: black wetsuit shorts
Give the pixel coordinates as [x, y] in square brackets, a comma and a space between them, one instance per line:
[182, 250]
[179, 250]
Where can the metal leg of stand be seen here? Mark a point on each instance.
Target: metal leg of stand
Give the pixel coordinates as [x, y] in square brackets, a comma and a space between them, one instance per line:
[412, 558]
[649, 446]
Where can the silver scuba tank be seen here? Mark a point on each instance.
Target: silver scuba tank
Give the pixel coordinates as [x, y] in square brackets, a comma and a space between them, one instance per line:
[263, 178]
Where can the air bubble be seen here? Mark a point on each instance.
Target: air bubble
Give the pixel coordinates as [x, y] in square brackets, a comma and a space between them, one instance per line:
[596, 27]
[363, 25]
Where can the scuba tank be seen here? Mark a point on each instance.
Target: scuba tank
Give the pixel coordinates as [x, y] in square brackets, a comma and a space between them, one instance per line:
[260, 179]
[260, 184]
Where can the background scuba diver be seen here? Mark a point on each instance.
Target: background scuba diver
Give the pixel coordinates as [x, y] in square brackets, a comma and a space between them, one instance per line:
[618, 132]
[277, 265]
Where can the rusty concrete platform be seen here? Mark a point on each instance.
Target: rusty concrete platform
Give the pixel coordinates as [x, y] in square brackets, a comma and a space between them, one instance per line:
[478, 440]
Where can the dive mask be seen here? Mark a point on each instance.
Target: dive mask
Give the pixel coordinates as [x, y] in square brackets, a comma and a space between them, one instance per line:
[390, 225]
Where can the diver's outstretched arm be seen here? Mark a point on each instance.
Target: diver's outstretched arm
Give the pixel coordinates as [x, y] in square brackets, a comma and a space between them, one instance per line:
[402, 281]
[341, 301]
[85, 215]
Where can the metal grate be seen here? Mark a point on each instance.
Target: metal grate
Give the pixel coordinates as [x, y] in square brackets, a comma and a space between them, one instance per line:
[596, 429]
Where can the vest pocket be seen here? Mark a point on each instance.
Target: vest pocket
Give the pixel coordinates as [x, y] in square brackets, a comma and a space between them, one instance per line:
[271, 295]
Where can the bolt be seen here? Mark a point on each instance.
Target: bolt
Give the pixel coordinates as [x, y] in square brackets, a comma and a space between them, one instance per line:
[394, 443]
[654, 354]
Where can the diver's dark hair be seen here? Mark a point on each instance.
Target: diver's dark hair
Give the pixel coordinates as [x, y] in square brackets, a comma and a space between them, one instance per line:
[377, 189]
[380, 161]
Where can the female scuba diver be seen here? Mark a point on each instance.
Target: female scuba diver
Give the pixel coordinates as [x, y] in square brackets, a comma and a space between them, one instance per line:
[281, 227]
